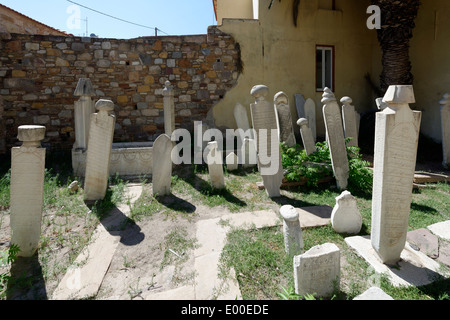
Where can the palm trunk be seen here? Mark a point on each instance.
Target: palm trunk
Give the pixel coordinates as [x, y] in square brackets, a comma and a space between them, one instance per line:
[397, 24]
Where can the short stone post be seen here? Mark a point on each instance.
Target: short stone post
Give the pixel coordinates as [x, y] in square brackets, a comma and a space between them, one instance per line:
[445, 120]
[293, 237]
[350, 121]
[27, 190]
[162, 166]
[396, 140]
[307, 136]
[101, 137]
[336, 141]
[215, 166]
[169, 109]
[265, 124]
[84, 107]
[286, 129]
[345, 217]
[318, 271]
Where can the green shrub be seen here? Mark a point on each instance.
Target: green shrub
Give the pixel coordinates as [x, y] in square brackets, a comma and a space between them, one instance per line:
[316, 166]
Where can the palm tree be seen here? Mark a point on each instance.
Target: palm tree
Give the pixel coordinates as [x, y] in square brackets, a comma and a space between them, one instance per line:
[397, 25]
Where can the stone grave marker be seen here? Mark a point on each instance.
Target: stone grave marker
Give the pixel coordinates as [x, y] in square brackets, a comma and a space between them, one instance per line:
[215, 165]
[101, 136]
[162, 165]
[84, 107]
[265, 124]
[169, 109]
[335, 135]
[317, 271]
[350, 120]
[232, 162]
[310, 115]
[241, 117]
[307, 136]
[445, 121]
[27, 189]
[248, 153]
[346, 217]
[293, 237]
[300, 105]
[286, 129]
[396, 141]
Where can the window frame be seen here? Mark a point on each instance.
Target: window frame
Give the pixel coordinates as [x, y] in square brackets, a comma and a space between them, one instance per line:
[323, 49]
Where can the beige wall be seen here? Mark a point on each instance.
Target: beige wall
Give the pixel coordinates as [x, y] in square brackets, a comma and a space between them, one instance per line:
[281, 56]
[430, 48]
[238, 9]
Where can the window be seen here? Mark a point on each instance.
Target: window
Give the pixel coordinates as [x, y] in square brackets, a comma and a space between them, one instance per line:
[324, 67]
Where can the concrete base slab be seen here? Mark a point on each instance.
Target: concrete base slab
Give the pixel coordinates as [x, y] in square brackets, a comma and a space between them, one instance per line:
[316, 216]
[414, 268]
[441, 229]
[374, 293]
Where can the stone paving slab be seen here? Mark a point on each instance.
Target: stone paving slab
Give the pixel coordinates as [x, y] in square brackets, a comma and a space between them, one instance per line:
[430, 178]
[316, 216]
[212, 235]
[414, 269]
[441, 229]
[424, 241]
[84, 278]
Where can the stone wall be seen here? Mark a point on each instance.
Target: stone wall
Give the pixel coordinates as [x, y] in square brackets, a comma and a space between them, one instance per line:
[38, 75]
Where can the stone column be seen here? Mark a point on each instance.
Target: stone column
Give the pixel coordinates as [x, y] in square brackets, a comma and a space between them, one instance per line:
[101, 137]
[445, 120]
[396, 141]
[307, 136]
[265, 124]
[286, 129]
[293, 237]
[336, 141]
[169, 109]
[27, 190]
[215, 166]
[162, 165]
[350, 121]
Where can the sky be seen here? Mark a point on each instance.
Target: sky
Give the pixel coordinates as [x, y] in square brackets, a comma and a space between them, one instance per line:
[171, 17]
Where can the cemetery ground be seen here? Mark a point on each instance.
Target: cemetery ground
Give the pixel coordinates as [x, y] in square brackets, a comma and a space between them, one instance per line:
[158, 236]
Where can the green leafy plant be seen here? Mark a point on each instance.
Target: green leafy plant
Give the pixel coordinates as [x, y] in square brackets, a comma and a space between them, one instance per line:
[313, 168]
[6, 258]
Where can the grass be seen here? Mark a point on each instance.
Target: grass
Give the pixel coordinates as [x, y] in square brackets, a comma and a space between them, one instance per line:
[67, 227]
[257, 256]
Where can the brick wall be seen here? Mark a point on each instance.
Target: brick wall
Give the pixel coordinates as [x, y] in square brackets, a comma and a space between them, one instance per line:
[38, 75]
